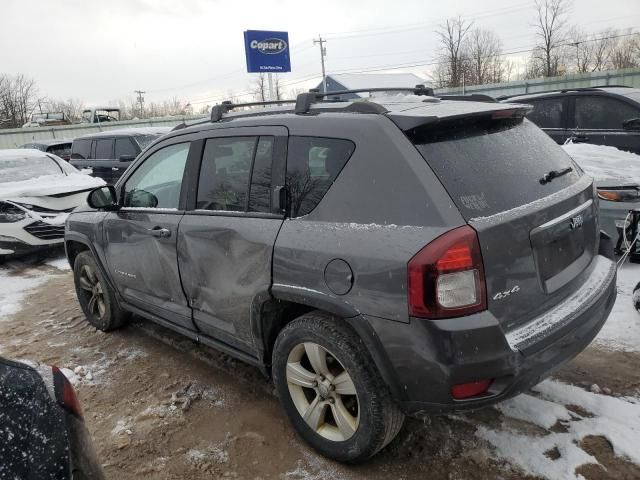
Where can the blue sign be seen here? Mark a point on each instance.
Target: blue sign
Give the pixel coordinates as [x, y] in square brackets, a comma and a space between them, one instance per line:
[267, 51]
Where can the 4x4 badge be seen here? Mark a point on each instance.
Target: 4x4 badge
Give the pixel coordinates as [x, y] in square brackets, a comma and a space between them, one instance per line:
[576, 222]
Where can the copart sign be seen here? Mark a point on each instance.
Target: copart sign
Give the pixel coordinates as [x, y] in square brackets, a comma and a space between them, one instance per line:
[267, 51]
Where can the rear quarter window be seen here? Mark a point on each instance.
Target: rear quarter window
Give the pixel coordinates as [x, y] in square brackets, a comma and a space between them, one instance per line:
[490, 166]
[313, 164]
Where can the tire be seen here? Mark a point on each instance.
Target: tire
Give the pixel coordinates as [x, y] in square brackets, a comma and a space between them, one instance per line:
[636, 297]
[97, 299]
[342, 426]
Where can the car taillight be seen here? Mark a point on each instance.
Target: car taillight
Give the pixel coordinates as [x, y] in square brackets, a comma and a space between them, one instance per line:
[619, 194]
[65, 394]
[446, 278]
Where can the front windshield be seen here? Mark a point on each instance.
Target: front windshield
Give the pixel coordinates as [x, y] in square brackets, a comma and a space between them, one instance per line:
[86, 116]
[20, 169]
[145, 140]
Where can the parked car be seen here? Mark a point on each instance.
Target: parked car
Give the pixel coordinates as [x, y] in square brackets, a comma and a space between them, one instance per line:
[60, 147]
[406, 256]
[597, 115]
[37, 191]
[100, 115]
[108, 154]
[617, 177]
[48, 119]
[42, 432]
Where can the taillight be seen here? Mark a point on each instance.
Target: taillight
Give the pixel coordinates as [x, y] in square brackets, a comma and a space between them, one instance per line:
[471, 389]
[619, 194]
[65, 394]
[446, 278]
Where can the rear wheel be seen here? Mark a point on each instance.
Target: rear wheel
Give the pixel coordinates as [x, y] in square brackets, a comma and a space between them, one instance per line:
[636, 297]
[331, 391]
[97, 299]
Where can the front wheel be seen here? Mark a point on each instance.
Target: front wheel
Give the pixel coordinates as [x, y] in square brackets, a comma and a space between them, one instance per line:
[331, 391]
[97, 299]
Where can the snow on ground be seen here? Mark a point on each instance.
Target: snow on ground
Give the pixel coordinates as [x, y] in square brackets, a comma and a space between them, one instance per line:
[60, 263]
[622, 329]
[606, 163]
[552, 402]
[13, 289]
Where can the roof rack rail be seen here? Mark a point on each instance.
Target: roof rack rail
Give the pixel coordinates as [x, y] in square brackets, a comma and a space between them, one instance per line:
[217, 111]
[305, 100]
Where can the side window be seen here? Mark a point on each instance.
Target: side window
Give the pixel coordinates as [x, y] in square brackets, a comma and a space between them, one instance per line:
[260, 189]
[313, 164]
[224, 174]
[81, 149]
[124, 146]
[157, 182]
[104, 148]
[599, 113]
[547, 113]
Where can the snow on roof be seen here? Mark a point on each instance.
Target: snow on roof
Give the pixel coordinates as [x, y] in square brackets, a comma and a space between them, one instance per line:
[130, 131]
[354, 81]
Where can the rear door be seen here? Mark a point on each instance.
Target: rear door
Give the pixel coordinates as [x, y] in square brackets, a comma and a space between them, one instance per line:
[226, 239]
[599, 119]
[538, 235]
[102, 158]
[550, 114]
[126, 150]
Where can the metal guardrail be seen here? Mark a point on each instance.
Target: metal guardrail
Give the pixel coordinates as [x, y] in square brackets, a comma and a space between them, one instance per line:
[14, 137]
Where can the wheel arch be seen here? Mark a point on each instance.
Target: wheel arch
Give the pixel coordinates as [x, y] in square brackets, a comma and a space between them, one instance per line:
[271, 313]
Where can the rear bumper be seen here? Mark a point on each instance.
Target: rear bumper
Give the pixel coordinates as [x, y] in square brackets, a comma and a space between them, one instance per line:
[428, 357]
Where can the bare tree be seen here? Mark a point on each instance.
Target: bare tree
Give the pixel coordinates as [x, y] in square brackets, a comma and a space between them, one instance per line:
[452, 37]
[71, 108]
[588, 53]
[625, 52]
[260, 88]
[278, 89]
[18, 98]
[482, 58]
[550, 28]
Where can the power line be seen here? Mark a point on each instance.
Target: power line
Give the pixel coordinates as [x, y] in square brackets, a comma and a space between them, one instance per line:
[419, 63]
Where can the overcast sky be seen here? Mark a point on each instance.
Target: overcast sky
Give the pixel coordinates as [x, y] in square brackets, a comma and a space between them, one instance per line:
[100, 51]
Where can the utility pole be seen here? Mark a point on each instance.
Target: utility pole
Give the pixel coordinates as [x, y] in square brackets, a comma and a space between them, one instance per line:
[140, 100]
[323, 53]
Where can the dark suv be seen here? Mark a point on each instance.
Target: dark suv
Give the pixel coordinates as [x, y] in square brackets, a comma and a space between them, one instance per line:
[108, 154]
[409, 256]
[598, 115]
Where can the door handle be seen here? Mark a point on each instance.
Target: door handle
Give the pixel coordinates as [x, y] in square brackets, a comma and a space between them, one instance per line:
[580, 138]
[160, 232]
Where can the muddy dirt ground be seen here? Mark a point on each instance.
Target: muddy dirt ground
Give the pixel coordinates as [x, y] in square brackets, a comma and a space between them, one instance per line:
[161, 407]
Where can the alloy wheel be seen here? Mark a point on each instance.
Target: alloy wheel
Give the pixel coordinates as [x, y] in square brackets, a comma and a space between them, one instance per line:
[93, 292]
[323, 392]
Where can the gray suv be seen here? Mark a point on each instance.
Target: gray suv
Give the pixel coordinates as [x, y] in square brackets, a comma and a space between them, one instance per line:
[402, 256]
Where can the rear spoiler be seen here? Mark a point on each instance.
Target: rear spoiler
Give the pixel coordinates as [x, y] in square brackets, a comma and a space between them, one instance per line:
[495, 112]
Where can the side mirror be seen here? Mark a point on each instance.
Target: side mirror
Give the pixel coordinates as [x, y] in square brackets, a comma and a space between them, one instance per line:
[631, 124]
[127, 158]
[103, 198]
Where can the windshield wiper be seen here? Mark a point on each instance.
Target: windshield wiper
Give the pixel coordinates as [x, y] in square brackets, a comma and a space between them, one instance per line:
[547, 177]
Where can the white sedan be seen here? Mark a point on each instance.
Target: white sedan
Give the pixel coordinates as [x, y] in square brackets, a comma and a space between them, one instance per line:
[37, 192]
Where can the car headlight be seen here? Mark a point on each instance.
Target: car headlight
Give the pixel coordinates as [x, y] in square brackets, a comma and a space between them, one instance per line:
[9, 213]
[619, 194]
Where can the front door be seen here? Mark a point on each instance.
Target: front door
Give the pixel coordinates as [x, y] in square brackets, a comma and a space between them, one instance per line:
[599, 119]
[141, 237]
[226, 241]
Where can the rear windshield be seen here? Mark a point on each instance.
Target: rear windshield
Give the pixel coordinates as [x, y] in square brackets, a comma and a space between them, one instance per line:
[489, 166]
[19, 169]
